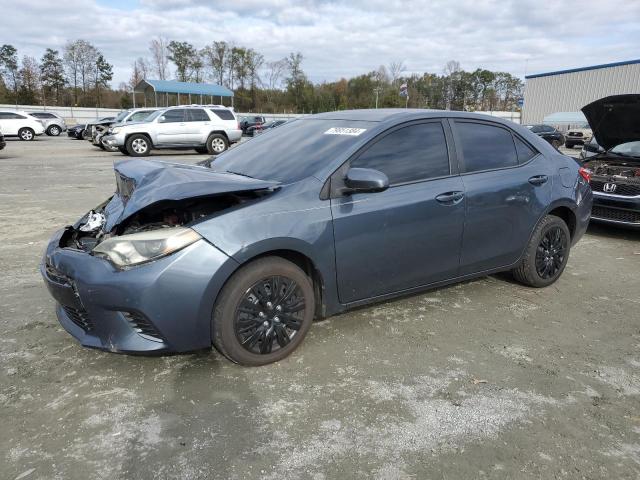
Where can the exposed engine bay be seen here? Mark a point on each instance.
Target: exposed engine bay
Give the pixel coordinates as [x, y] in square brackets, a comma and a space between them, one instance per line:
[89, 231]
[605, 168]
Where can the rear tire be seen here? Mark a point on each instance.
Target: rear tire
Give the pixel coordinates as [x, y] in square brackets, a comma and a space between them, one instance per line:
[138, 145]
[546, 255]
[217, 144]
[263, 312]
[26, 134]
[54, 130]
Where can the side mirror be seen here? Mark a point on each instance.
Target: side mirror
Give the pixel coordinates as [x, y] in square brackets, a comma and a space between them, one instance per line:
[361, 180]
[162, 119]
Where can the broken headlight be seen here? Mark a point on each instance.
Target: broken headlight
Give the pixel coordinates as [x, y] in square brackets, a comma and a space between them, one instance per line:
[136, 248]
[115, 130]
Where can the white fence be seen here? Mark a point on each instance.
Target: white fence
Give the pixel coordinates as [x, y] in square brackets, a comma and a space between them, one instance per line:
[75, 115]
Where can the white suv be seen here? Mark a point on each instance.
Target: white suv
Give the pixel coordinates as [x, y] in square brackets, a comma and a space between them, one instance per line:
[205, 128]
[20, 124]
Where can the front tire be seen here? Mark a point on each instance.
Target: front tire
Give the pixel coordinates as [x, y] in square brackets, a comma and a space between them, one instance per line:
[26, 134]
[123, 150]
[546, 255]
[568, 145]
[201, 150]
[217, 143]
[556, 144]
[263, 312]
[54, 131]
[138, 145]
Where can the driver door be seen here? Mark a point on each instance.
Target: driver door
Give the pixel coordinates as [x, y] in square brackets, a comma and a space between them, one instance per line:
[410, 234]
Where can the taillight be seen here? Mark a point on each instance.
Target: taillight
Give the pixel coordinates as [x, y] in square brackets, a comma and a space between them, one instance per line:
[585, 173]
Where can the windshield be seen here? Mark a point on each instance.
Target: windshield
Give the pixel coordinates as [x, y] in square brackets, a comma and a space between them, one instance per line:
[292, 151]
[121, 115]
[629, 149]
[154, 115]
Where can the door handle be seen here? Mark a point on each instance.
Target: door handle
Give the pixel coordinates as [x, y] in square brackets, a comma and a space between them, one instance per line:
[538, 179]
[450, 197]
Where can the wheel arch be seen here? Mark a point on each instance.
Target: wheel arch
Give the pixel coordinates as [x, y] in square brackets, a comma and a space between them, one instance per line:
[220, 132]
[304, 262]
[144, 134]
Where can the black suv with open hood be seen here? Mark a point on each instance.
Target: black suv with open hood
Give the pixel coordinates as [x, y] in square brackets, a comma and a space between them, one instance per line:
[615, 173]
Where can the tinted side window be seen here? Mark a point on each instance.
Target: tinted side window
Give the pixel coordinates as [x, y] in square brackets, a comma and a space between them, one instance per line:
[43, 115]
[485, 147]
[172, 116]
[416, 152]
[197, 115]
[223, 114]
[5, 115]
[525, 152]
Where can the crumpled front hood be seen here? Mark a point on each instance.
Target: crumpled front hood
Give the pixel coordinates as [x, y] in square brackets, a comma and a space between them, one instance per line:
[614, 120]
[141, 183]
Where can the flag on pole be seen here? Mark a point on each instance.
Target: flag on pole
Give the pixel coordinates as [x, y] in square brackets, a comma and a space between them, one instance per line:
[404, 90]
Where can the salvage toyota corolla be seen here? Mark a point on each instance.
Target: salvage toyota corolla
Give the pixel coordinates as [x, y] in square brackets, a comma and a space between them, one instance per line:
[320, 215]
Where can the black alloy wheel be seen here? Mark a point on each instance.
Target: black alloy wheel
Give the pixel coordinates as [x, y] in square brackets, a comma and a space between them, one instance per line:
[263, 312]
[546, 255]
[551, 251]
[269, 315]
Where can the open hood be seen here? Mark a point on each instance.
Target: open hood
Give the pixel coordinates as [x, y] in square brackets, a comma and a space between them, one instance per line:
[141, 183]
[614, 120]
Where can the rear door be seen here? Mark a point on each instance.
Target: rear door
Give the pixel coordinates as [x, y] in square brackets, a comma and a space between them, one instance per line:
[172, 128]
[507, 187]
[410, 234]
[198, 125]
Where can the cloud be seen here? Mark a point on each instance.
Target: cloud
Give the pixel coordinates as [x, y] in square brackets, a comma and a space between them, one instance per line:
[344, 38]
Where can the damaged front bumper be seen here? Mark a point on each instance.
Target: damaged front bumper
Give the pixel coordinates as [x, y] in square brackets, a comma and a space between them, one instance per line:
[162, 306]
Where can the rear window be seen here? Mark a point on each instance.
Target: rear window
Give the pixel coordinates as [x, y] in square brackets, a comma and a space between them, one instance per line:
[486, 147]
[197, 115]
[525, 152]
[223, 113]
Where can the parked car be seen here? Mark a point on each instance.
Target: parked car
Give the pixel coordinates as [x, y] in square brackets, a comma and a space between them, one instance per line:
[247, 122]
[89, 127]
[590, 148]
[77, 131]
[53, 123]
[615, 173]
[323, 214]
[103, 129]
[20, 124]
[578, 136]
[259, 128]
[3, 143]
[205, 129]
[550, 134]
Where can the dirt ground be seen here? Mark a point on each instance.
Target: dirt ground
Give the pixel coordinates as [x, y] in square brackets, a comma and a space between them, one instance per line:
[485, 379]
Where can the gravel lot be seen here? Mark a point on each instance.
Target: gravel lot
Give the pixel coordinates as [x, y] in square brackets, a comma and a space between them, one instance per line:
[485, 379]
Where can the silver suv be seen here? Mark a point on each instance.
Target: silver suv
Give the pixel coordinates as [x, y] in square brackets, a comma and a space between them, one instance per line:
[205, 128]
[53, 123]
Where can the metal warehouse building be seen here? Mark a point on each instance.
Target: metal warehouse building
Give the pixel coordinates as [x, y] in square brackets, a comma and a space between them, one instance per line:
[570, 90]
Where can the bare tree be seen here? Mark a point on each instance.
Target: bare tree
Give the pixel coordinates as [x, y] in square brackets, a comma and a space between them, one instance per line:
[275, 73]
[395, 70]
[80, 58]
[215, 59]
[29, 80]
[158, 49]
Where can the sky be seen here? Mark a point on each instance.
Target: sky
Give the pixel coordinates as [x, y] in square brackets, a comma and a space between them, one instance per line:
[343, 38]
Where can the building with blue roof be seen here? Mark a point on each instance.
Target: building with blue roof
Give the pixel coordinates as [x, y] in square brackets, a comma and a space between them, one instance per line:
[164, 93]
[569, 90]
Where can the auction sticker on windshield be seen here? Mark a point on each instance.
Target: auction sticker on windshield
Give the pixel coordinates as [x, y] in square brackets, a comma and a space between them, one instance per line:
[354, 132]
